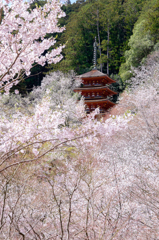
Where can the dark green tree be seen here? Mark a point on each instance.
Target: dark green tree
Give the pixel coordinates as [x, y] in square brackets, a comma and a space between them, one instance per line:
[111, 21]
[142, 41]
[152, 23]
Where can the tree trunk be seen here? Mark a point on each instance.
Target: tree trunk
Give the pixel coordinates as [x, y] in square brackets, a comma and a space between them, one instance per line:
[108, 36]
[1, 14]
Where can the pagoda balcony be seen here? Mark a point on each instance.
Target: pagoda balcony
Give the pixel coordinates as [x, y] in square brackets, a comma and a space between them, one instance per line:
[95, 97]
[93, 85]
[98, 92]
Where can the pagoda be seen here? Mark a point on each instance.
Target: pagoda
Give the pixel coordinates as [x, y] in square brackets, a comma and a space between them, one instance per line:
[94, 89]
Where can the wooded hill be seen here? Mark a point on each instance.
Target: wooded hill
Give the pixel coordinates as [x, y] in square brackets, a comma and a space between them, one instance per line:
[126, 31]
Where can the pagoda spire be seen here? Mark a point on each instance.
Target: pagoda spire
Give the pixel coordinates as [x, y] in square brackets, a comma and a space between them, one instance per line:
[95, 54]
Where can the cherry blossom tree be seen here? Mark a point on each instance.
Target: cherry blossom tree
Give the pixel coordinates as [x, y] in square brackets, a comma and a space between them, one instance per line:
[52, 188]
[52, 180]
[39, 151]
[23, 38]
[59, 87]
[89, 180]
[133, 156]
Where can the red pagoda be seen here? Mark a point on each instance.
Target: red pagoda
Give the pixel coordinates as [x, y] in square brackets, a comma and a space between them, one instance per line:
[95, 90]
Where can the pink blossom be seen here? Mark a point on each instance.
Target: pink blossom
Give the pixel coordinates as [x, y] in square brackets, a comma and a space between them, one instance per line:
[19, 51]
[16, 91]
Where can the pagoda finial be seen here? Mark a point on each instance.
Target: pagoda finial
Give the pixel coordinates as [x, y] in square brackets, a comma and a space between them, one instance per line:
[95, 54]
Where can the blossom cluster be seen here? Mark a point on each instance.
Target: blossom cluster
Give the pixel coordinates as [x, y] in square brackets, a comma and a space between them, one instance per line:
[23, 38]
[20, 131]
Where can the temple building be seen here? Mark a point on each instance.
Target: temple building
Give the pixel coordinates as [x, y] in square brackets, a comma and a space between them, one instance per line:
[94, 89]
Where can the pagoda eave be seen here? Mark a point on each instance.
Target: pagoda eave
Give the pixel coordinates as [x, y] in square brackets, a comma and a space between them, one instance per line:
[96, 75]
[104, 104]
[105, 79]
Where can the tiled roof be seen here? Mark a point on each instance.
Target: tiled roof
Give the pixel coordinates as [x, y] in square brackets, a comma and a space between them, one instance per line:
[93, 73]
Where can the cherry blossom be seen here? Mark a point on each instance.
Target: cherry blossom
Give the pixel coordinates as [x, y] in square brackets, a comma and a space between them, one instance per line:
[40, 151]
[20, 31]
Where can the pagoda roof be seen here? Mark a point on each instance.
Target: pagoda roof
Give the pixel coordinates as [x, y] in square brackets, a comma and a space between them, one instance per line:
[100, 102]
[92, 73]
[95, 74]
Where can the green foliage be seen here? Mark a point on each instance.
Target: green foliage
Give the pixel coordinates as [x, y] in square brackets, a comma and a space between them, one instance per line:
[39, 3]
[152, 23]
[140, 43]
[125, 72]
[118, 85]
[140, 46]
[111, 22]
[78, 37]
[143, 41]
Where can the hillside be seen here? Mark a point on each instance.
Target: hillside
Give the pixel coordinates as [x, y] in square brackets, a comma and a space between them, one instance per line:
[85, 179]
[63, 173]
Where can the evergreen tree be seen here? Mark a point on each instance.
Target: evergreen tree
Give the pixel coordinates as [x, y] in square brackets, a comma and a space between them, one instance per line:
[143, 40]
[111, 21]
